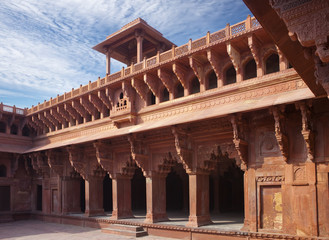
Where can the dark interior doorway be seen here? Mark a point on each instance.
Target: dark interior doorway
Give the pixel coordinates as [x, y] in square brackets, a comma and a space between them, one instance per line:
[82, 195]
[177, 190]
[39, 197]
[4, 198]
[138, 191]
[107, 194]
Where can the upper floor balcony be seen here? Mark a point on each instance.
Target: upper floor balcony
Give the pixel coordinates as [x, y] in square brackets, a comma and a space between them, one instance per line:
[232, 70]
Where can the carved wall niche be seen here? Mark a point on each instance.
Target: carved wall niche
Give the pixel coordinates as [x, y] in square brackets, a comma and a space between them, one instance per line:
[299, 175]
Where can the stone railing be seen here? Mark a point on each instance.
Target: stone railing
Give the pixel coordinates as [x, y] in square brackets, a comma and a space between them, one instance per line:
[191, 46]
[12, 109]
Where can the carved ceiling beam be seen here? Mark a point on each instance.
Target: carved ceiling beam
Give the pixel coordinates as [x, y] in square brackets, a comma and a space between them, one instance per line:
[181, 73]
[88, 106]
[51, 118]
[234, 56]
[57, 116]
[79, 108]
[240, 143]
[197, 68]
[63, 113]
[255, 47]
[167, 79]
[307, 127]
[42, 117]
[216, 63]
[55, 161]
[140, 87]
[153, 83]
[280, 131]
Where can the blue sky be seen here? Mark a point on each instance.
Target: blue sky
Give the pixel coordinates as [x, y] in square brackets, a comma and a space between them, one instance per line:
[45, 45]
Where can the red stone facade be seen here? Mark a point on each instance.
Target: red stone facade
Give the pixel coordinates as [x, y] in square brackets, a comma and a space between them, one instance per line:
[222, 123]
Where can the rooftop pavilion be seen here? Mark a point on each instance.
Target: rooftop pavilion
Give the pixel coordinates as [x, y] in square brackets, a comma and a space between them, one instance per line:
[132, 43]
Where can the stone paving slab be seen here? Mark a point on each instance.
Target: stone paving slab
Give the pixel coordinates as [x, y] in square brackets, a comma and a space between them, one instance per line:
[39, 230]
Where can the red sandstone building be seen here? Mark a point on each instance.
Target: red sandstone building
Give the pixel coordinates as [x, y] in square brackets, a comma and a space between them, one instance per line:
[231, 124]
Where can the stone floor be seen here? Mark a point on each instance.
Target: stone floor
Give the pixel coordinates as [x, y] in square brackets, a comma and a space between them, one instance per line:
[38, 230]
[222, 222]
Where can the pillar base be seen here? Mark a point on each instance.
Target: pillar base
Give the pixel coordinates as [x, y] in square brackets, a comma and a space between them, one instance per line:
[95, 212]
[197, 221]
[153, 218]
[122, 215]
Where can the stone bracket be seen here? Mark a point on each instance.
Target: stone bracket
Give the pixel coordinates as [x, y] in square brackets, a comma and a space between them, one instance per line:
[53, 112]
[94, 100]
[55, 161]
[215, 62]
[153, 83]
[51, 118]
[72, 112]
[62, 112]
[42, 117]
[88, 106]
[183, 148]
[234, 56]
[307, 128]
[280, 132]
[76, 104]
[240, 144]
[167, 80]
[197, 68]
[104, 155]
[140, 87]
[105, 99]
[254, 46]
[180, 71]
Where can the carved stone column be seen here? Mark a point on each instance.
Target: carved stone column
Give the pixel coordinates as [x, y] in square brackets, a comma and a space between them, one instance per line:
[198, 163]
[139, 35]
[121, 170]
[155, 169]
[84, 162]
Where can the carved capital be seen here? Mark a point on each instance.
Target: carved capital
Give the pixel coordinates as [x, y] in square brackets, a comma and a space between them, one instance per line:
[55, 161]
[183, 148]
[280, 131]
[240, 144]
[307, 128]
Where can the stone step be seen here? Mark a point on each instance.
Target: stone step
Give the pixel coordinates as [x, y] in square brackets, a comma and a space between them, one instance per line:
[125, 230]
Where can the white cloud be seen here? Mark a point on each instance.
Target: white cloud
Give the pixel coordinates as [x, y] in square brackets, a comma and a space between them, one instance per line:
[45, 45]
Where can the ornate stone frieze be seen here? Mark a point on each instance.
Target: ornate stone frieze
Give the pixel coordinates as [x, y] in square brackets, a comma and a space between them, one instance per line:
[280, 131]
[307, 128]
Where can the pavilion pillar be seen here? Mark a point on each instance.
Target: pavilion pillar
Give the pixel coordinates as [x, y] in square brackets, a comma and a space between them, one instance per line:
[156, 198]
[108, 61]
[121, 194]
[199, 199]
[94, 196]
[139, 38]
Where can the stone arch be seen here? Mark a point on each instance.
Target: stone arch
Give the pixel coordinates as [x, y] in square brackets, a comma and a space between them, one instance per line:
[194, 85]
[211, 80]
[272, 63]
[179, 90]
[151, 99]
[229, 74]
[249, 68]
[164, 94]
[14, 129]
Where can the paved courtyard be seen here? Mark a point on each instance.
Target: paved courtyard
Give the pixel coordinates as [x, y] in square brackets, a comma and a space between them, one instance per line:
[37, 230]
